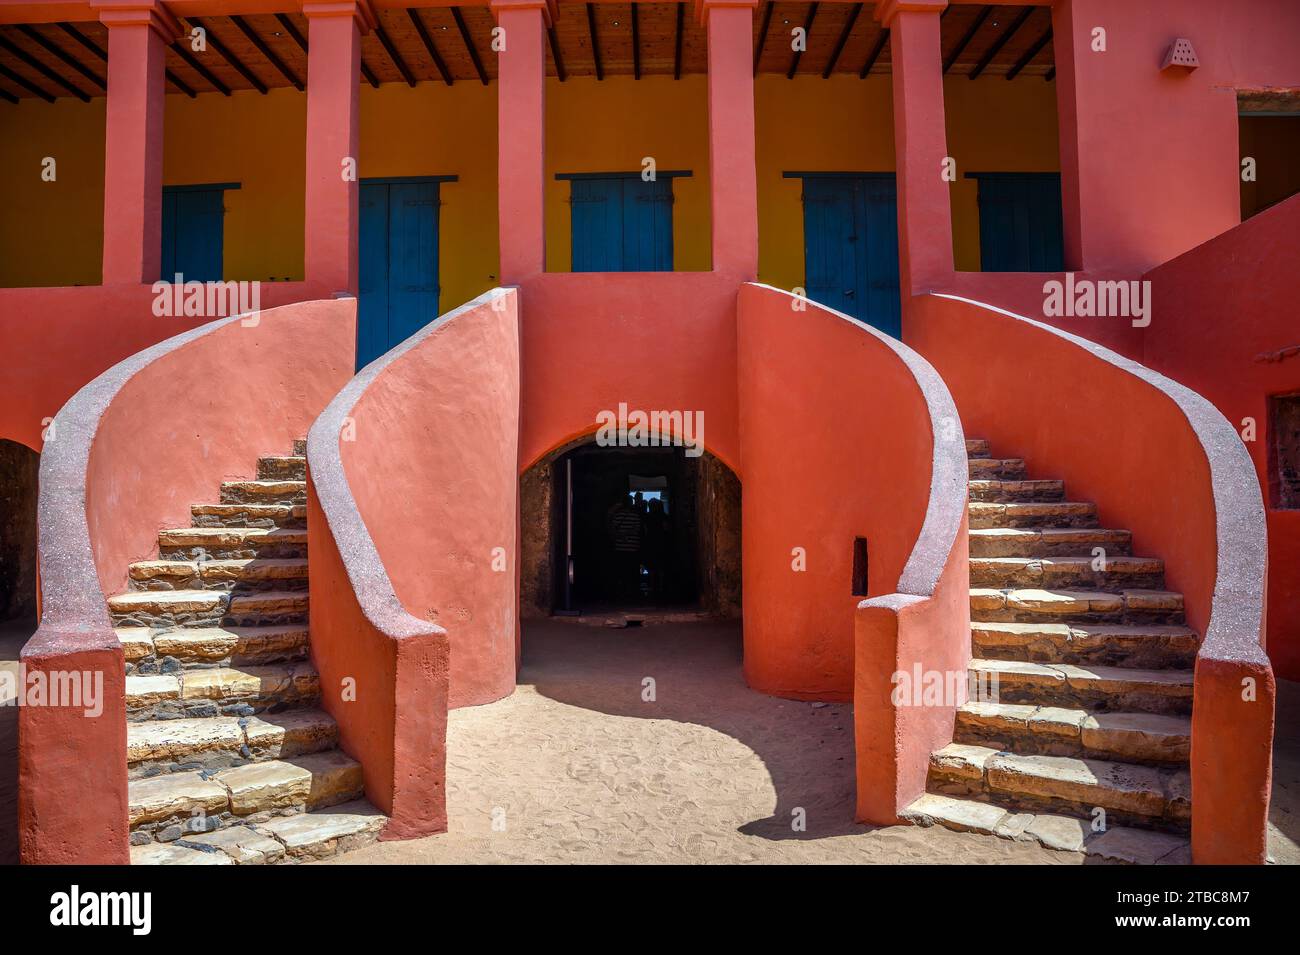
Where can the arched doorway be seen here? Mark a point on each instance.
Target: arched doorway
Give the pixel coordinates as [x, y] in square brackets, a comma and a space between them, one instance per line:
[19, 467]
[640, 529]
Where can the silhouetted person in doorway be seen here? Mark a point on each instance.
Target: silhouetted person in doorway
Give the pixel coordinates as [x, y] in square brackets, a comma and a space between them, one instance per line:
[655, 547]
[625, 534]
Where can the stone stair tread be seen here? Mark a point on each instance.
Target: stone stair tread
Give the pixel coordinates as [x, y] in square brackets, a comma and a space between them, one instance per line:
[225, 683]
[219, 643]
[977, 448]
[308, 834]
[176, 600]
[1153, 631]
[217, 536]
[169, 853]
[1072, 600]
[173, 794]
[250, 510]
[1117, 563]
[311, 780]
[1135, 735]
[137, 642]
[241, 844]
[1136, 789]
[1062, 833]
[266, 735]
[1072, 673]
[239, 568]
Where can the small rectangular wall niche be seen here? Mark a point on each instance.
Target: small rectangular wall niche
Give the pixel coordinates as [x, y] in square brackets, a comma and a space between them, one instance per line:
[859, 566]
[1284, 451]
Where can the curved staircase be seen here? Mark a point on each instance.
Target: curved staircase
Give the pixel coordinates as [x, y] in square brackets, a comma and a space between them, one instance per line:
[230, 759]
[1079, 733]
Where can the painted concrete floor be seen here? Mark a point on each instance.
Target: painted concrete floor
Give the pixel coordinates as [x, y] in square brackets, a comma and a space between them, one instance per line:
[579, 768]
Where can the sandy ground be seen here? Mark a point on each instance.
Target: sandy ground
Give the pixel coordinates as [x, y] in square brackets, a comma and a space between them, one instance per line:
[578, 768]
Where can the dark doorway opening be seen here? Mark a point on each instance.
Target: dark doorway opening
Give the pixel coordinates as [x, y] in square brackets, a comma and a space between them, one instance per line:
[617, 528]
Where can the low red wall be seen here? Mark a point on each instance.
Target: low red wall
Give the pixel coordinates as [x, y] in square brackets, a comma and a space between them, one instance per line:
[413, 518]
[847, 433]
[1158, 459]
[1225, 324]
[80, 332]
[127, 456]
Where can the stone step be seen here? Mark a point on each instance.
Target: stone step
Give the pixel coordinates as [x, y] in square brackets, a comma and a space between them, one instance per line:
[147, 651]
[986, 469]
[220, 691]
[233, 543]
[977, 448]
[1008, 491]
[300, 447]
[1049, 542]
[991, 514]
[1120, 844]
[167, 746]
[1034, 605]
[191, 803]
[162, 609]
[282, 468]
[1061, 731]
[246, 573]
[1151, 646]
[266, 516]
[301, 837]
[1090, 687]
[1054, 573]
[1130, 794]
[263, 492]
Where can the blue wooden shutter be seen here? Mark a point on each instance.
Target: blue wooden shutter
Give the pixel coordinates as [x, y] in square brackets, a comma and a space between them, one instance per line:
[1020, 222]
[192, 233]
[412, 258]
[597, 218]
[831, 248]
[647, 225]
[883, 307]
[372, 303]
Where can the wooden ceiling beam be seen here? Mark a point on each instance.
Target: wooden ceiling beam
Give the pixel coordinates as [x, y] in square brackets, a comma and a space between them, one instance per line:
[25, 84]
[844, 38]
[677, 42]
[807, 30]
[24, 57]
[429, 47]
[636, 43]
[387, 44]
[969, 35]
[469, 45]
[261, 46]
[595, 40]
[53, 48]
[292, 30]
[1032, 52]
[193, 63]
[223, 51]
[996, 46]
[762, 34]
[874, 54]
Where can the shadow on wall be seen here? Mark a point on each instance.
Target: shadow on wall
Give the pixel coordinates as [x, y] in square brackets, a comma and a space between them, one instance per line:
[18, 470]
[805, 748]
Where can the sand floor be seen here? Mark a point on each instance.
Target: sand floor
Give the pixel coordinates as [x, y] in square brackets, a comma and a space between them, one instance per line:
[575, 767]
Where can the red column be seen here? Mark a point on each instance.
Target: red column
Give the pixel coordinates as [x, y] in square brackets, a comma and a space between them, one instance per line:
[334, 29]
[521, 136]
[732, 175]
[920, 143]
[138, 36]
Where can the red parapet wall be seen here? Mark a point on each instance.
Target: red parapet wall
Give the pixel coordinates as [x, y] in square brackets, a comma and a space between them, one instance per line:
[1160, 460]
[126, 457]
[847, 433]
[1225, 324]
[413, 521]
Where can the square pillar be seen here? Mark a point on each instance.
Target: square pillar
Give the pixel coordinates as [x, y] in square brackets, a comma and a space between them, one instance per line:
[138, 36]
[521, 136]
[334, 29]
[920, 144]
[733, 177]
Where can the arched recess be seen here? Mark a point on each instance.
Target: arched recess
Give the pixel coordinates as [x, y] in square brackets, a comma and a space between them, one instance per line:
[700, 491]
[19, 466]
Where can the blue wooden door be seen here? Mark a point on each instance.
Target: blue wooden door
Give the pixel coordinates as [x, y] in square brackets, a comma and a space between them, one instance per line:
[193, 223]
[621, 224]
[1020, 222]
[851, 247]
[398, 267]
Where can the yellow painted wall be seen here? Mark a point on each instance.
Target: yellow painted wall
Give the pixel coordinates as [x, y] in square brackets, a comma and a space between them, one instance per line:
[51, 233]
[610, 126]
[436, 130]
[256, 141]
